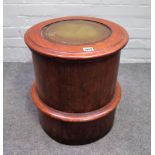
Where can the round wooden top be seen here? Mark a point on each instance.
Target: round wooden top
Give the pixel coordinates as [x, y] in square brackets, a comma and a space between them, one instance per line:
[76, 37]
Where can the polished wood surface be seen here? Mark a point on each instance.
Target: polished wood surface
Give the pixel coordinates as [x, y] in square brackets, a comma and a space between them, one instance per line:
[115, 42]
[76, 133]
[76, 86]
[76, 128]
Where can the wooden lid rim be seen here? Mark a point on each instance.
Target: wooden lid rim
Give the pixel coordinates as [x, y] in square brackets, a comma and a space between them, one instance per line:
[114, 43]
[77, 117]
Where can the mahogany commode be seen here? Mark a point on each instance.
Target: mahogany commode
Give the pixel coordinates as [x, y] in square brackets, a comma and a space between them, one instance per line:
[76, 61]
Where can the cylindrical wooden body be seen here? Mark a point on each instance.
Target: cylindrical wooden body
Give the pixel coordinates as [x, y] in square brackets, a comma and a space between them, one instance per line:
[74, 85]
[76, 61]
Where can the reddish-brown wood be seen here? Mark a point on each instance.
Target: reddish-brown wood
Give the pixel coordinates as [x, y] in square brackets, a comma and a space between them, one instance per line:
[112, 44]
[76, 86]
[75, 90]
[76, 128]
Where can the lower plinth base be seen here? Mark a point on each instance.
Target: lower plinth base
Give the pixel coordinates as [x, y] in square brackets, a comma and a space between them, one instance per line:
[77, 128]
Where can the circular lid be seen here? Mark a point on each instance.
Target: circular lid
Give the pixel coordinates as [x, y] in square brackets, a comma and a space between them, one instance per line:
[76, 37]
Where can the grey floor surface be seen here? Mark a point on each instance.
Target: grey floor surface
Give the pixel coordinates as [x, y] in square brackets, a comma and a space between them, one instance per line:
[130, 134]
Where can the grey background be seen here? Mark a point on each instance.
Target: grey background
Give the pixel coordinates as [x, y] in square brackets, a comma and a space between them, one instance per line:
[130, 134]
[133, 15]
